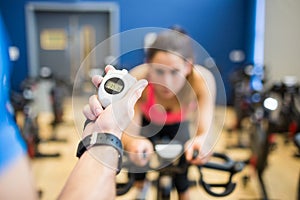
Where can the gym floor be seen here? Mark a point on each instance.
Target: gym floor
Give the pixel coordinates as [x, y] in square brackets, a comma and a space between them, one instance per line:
[281, 176]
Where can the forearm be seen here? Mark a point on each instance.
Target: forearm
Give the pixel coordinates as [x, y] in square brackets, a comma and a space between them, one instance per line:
[17, 181]
[205, 115]
[206, 96]
[93, 174]
[205, 125]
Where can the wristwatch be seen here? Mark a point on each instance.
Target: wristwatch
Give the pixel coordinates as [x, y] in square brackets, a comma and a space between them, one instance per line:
[98, 139]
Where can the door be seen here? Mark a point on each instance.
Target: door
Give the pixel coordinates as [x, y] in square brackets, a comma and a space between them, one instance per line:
[66, 38]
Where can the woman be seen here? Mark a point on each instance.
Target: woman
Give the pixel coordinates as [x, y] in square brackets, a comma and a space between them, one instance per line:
[177, 96]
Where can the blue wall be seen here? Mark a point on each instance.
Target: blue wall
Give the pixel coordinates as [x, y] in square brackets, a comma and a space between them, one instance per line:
[219, 26]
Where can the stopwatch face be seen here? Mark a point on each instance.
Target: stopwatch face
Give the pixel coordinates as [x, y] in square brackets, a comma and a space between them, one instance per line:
[114, 85]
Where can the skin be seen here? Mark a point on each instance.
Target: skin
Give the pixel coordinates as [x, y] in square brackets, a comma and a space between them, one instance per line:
[169, 73]
[18, 177]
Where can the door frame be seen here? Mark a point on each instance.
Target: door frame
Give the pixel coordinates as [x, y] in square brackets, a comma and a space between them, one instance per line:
[31, 26]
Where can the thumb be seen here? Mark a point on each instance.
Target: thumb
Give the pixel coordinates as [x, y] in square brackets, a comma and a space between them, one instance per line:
[135, 92]
[189, 153]
[123, 110]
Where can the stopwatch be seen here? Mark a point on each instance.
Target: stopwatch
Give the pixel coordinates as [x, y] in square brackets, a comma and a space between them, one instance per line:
[114, 86]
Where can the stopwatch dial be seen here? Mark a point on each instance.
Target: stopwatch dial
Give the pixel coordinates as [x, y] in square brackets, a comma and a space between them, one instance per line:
[114, 85]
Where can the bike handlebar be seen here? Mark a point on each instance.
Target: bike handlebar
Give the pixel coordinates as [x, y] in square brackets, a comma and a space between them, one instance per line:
[228, 166]
[123, 188]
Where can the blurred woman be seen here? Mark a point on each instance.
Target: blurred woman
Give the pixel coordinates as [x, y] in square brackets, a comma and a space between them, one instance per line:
[178, 96]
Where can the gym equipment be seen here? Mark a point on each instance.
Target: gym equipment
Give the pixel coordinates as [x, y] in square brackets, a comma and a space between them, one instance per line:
[262, 104]
[287, 119]
[167, 166]
[30, 129]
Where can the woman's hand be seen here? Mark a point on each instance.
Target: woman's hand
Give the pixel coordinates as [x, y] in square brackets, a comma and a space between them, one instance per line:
[116, 117]
[139, 150]
[192, 145]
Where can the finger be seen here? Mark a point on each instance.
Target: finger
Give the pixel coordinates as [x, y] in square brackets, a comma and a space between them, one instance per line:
[97, 80]
[109, 67]
[189, 154]
[142, 158]
[88, 113]
[136, 91]
[200, 160]
[143, 162]
[135, 158]
[95, 105]
[143, 153]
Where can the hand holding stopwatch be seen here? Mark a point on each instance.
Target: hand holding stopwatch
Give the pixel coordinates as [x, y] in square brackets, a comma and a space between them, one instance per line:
[114, 86]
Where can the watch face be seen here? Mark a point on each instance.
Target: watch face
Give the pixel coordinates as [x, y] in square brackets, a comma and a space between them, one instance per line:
[114, 85]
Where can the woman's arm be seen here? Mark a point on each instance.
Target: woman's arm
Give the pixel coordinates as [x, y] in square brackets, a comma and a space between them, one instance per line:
[205, 88]
[206, 94]
[137, 146]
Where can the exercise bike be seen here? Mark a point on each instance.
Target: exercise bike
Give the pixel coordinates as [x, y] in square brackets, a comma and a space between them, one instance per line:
[166, 164]
[30, 128]
[262, 105]
[261, 134]
[245, 82]
[287, 118]
[240, 82]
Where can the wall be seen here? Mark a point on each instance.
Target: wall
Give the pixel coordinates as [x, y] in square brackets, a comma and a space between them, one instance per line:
[220, 26]
[282, 43]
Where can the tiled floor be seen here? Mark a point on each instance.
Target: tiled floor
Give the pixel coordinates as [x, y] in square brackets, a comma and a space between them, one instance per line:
[281, 177]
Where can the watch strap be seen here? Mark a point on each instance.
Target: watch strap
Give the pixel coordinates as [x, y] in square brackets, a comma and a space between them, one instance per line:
[98, 139]
[87, 121]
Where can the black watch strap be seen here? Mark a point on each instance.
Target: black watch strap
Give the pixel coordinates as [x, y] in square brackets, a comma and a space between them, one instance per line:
[87, 121]
[97, 139]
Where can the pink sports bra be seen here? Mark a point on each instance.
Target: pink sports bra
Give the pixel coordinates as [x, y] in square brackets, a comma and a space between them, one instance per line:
[156, 114]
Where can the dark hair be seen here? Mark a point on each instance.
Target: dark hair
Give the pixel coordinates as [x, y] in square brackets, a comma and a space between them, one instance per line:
[171, 41]
[178, 28]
